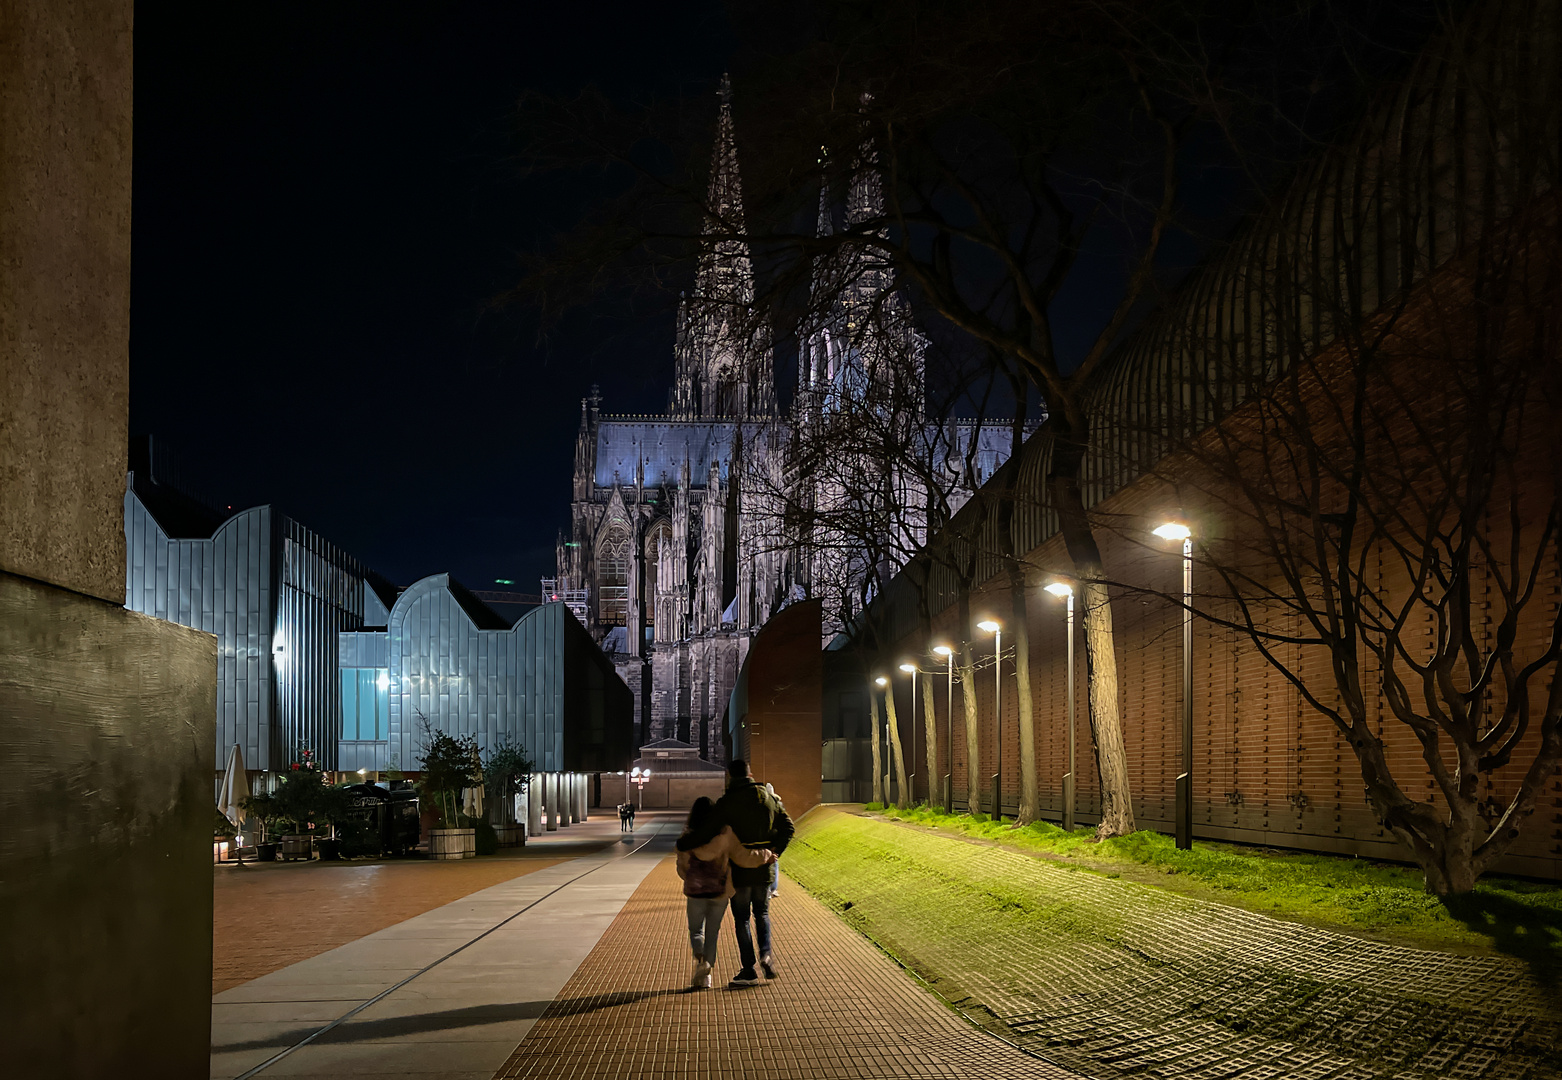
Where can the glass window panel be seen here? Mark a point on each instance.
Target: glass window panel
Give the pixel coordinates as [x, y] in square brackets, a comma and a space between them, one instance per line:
[382, 704]
[349, 703]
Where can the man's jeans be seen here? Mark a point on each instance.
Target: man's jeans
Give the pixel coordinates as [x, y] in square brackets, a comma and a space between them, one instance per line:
[756, 897]
[705, 925]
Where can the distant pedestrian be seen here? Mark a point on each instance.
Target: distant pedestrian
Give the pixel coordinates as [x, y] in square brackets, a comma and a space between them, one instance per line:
[623, 817]
[707, 883]
[775, 867]
[759, 821]
[631, 817]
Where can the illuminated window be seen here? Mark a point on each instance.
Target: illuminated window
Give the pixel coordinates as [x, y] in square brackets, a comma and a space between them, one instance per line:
[365, 703]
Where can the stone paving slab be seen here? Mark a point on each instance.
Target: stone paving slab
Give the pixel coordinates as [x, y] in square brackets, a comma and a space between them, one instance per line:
[269, 915]
[841, 1009]
[457, 1019]
[1124, 980]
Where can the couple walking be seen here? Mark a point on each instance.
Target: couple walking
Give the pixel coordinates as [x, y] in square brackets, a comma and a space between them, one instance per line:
[727, 855]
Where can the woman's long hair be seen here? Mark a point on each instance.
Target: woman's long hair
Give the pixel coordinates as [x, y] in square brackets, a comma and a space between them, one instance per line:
[698, 813]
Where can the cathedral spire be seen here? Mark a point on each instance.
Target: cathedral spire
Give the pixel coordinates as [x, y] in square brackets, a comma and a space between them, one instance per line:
[826, 223]
[724, 363]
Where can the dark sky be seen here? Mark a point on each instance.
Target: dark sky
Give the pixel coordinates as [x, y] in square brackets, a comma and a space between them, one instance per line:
[325, 201]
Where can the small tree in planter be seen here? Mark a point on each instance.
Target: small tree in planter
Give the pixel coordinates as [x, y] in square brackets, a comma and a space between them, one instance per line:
[262, 809]
[333, 807]
[506, 774]
[448, 764]
[298, 801]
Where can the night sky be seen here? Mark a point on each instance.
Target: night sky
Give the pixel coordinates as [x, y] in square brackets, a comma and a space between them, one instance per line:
[326, 203]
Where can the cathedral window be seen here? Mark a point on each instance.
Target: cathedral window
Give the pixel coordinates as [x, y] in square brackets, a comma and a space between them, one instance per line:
[613, 577]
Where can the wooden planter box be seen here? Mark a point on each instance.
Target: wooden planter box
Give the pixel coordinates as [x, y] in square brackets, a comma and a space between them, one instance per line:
[452, 843]
[511, 835]
[297, 846]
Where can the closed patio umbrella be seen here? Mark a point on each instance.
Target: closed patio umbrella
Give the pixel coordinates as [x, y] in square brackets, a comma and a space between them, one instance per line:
[235, 789]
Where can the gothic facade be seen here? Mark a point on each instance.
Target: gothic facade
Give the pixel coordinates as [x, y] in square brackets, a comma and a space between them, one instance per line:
[685, 534]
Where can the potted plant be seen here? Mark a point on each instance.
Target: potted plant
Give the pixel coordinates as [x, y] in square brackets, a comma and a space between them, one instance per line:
[333, 806]
[506, 774]
[297, 802]
[262, 809]
[449, 765]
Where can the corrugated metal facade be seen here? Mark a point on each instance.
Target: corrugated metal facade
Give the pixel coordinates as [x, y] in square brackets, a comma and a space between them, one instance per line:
[542, 683]
[277, 596]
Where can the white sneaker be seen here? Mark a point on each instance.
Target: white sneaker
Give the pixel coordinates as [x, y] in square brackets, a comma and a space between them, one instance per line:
[701, 979]
[767, 964]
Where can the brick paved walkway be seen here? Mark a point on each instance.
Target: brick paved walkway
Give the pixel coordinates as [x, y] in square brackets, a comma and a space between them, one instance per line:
[1118, 979]
[841, 1009]
[270, 915]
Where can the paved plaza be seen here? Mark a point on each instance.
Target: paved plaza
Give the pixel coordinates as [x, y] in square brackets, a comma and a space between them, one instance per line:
[570, 960]
[577, 968]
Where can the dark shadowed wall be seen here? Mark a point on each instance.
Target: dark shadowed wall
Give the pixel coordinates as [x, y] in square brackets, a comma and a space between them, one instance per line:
[776, 706]
[105, 869]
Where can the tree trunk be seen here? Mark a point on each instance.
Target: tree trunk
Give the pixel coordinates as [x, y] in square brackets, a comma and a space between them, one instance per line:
[1106, 727]
[1117, 806]
[899, 758]
[1030, 794]
[973, 735]
[930, 718]
[878, 756]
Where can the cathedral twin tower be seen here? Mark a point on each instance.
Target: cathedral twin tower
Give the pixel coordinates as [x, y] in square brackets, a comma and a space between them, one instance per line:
[672, 560]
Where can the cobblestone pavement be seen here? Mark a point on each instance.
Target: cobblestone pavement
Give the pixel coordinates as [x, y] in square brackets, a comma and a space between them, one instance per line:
[1117, 979]
[270, 915]
[841, 1009]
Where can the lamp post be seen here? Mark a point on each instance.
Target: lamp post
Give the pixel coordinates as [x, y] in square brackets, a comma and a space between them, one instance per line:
[911, 669]
[883, 740]
[1176, 530]
[949, 717]
[640, 776]
[1064, 589]
[995, 628]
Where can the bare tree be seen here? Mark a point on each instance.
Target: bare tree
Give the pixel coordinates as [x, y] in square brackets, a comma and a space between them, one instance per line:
[1016, 141]
[1381, 513]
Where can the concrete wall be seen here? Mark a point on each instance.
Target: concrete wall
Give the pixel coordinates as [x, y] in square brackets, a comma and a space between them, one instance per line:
[65, 128]
[105, 791]
[106, 737]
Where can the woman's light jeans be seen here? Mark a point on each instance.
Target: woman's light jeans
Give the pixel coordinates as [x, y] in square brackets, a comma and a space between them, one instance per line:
[705, 925]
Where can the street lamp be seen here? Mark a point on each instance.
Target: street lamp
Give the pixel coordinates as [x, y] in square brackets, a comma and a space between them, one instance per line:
[882, 778]
[995, 628]
[1064, 589]
[640, 776]
[1176, 530]
[911, 669]
[949, 716]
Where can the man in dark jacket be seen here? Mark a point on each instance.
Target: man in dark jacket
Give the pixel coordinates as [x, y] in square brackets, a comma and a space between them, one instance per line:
[759, 821]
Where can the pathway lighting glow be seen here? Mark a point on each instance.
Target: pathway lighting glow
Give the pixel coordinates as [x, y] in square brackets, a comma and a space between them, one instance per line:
[943, 650]
[1173, 530]
[989, 625]
[1059, 589]
[909, 669]
[881, 681]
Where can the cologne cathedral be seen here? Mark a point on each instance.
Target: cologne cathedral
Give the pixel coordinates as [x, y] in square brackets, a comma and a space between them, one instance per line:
[689, 530]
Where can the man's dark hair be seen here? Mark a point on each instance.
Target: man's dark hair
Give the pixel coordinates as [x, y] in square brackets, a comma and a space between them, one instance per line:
[738, 768]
